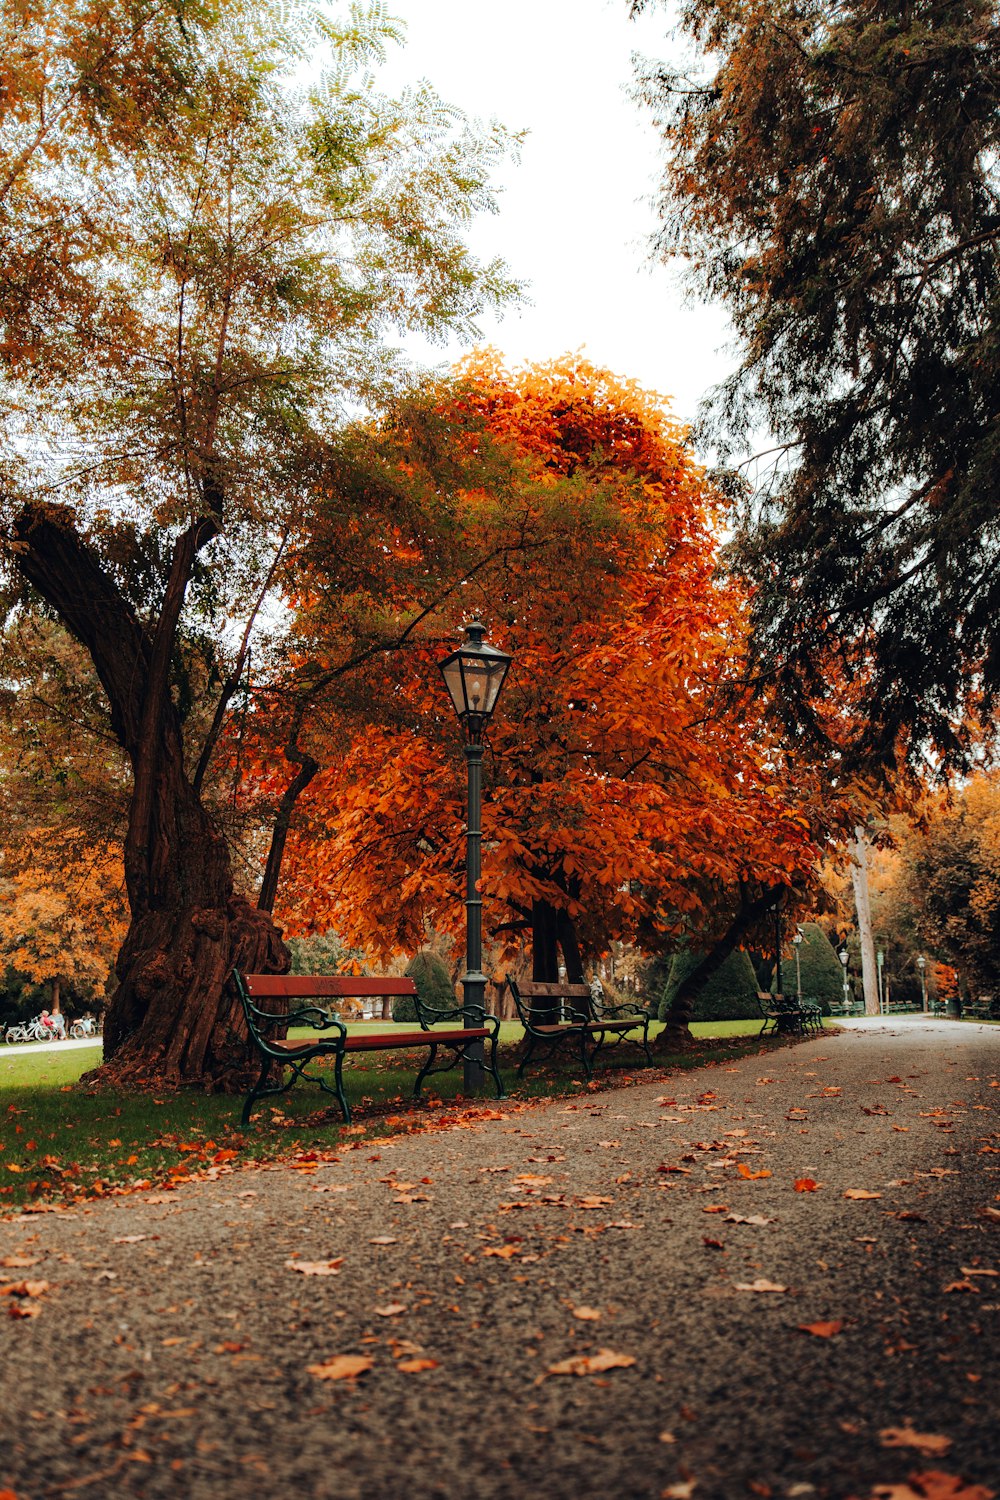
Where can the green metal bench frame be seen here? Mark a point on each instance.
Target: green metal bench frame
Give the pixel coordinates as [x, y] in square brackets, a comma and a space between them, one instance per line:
[278, 1052]
[578, 1022]
[788, 1015]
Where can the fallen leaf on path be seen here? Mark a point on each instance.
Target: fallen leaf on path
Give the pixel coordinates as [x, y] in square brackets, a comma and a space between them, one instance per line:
[928, 1443]
[932, 1485]
[391, 1309]
[860, 1193]
[821, 1330]
[665, 1437]
[342, 1367]
[681, 1491]
[24, 1289]
[383, 1239]
[533, 1177]
[129, 1239]
[23, 1309]
[586, 1314]
[747, 1219]
[806, 1185]
[712, 1244]
[315, 1267]
[414, 1366]
[760, 1285]
[18, 1263]
[715, 1208]
[745, 1171]
[591, 1364]
[978, 1271]
[961, 1286]
[503, 1252]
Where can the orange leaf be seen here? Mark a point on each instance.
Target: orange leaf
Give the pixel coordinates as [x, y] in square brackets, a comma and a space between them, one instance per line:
[414, 1366]
[929, 1443]
[316, 1267]
[806, 1185]
[745, 1171]
[821, 1330]
[592, 1364]
[860, 1193]
[342, 1367]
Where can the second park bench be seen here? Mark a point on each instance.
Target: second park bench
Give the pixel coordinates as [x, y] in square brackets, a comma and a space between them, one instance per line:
[554, 1015]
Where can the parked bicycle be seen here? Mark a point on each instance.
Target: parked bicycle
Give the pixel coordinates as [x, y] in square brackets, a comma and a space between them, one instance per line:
[42, 1028]
[84, 1026]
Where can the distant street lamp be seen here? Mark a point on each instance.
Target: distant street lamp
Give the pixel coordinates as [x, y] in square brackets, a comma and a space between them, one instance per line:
[797, 944]
[843, 955]
[922, 966]
[880, 960]
[474, 675]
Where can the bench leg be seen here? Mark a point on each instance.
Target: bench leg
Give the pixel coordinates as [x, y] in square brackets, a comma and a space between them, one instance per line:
[418, 1085]
[585, 1057]
[338, 1079]
[650, 1060]
[256, 1092]
[527, 1055]
[493, 1070]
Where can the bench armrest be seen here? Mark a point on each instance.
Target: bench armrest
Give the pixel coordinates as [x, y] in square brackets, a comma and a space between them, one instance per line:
[432, 1015]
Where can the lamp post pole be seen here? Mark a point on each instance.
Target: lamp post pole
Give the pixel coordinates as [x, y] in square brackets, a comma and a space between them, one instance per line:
[880, 960]
[797, 944]
[843, 956]
[922, 966]
[474, 980]
[474, 675]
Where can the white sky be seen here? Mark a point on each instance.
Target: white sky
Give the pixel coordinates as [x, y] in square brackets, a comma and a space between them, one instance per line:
[576, 213]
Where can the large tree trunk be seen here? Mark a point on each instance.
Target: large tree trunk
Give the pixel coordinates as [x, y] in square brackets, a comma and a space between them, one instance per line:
[173, 1018]
[862, 903]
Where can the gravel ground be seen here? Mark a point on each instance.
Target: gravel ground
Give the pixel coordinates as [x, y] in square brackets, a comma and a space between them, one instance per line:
[172, 1352]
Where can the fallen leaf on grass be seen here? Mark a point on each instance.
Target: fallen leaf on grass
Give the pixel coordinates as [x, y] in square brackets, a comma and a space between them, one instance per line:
[928, 1443]
[821, 1330]
[807, 1185]
[591, 1364]
[760, 1285]
[745, 1171]
[391, 1309]
[315, 1267]
[342, 1367]
[860, 1193]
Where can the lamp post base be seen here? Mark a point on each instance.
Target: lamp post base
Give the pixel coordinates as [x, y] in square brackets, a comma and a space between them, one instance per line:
[473, 1010]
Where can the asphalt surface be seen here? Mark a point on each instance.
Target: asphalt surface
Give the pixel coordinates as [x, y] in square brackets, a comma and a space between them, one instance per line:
[171, 1354]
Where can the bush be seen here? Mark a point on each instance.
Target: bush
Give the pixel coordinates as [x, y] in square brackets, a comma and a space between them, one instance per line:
[433, 983]
[730, 994]
[819, 966]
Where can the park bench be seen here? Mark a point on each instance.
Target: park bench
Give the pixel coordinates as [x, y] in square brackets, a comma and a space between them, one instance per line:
[268, 1028]
[788, 1015]
[554, 1015]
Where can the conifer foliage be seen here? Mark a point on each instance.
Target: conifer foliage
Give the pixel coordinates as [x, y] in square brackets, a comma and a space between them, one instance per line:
[831, 175]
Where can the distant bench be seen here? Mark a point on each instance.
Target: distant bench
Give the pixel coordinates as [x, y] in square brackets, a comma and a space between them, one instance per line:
[788, 1015]
[279, 1051]
[554, 1015]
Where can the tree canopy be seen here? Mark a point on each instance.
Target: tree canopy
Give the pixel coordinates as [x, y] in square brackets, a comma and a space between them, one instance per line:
[627, 798]
[831, 176]
[200, 266]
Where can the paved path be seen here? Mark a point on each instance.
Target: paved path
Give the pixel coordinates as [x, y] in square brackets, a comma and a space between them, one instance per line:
[172, 1354]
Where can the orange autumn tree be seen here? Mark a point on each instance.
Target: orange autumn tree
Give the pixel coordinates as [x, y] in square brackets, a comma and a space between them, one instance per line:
[629, 794]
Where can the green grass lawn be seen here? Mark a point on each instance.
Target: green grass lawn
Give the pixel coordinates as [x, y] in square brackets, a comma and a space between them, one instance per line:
[60, 1139]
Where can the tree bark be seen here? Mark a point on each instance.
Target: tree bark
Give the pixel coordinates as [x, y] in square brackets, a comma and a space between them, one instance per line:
[863, 907]
[677, 1017]
[173, 1018]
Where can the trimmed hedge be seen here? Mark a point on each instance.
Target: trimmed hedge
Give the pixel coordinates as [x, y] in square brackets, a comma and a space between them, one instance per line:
[433, 983]
[730, 994]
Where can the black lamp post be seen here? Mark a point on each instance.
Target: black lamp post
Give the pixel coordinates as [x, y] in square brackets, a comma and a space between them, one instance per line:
[797, 944]
[474, 675]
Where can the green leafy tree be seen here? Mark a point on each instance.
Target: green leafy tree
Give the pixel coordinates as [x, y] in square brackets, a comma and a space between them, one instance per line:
[831, 176]
[200, 265]
[429, 973]
[819, 969]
